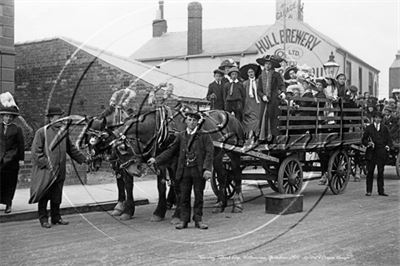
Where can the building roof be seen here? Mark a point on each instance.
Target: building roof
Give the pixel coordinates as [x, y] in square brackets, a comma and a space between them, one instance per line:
[218, 42]
[182, 87]
[215, 42]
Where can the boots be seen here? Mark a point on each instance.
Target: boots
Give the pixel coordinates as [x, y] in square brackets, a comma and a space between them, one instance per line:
[237, 203]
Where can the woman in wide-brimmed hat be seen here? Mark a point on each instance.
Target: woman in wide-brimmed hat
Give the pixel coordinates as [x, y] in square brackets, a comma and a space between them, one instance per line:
[270, 88]
[11, 151]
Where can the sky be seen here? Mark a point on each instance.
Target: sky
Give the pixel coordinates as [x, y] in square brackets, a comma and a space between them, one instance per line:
[369, 29]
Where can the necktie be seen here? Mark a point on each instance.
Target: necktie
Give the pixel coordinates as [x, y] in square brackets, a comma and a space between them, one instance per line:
[231, 89]
[5, 129]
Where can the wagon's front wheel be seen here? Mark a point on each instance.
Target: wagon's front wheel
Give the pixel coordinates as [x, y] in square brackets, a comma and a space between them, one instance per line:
[339, 168]
[290, 176]
[230, 184]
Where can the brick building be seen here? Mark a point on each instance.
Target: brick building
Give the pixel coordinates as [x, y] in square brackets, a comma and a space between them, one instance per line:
[394, 75]
[50, 71]
[7, 52]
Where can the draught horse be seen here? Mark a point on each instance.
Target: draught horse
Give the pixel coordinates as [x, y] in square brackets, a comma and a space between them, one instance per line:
[146, 135]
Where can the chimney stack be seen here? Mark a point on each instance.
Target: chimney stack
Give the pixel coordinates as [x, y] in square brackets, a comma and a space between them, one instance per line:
[159, 24]
[195, 31]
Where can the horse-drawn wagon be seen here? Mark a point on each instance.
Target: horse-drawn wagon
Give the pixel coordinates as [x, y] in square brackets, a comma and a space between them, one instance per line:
[312, 138]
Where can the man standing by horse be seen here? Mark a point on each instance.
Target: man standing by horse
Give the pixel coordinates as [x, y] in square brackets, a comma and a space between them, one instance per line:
[194, 168]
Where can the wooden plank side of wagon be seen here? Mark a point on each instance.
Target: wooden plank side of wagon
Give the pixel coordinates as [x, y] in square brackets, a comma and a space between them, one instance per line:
[245, 151]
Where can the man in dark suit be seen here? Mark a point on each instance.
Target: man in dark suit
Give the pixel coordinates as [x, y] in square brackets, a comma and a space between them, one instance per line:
[378, 142]
[194, 168]
[269, 88]
[11, 155]
[215, 91]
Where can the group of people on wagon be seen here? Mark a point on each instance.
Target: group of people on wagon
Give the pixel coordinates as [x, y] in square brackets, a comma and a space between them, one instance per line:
[254, 93]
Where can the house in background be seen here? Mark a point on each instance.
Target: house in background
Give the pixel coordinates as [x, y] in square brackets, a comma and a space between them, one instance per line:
[195, 53]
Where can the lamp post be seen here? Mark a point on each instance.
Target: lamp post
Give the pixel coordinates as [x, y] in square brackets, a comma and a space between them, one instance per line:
[331, 68]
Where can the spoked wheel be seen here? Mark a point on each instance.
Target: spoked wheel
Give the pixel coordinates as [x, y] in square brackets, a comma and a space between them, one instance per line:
[271, 177]
[230, 184]
[339, 168]
[290, 176]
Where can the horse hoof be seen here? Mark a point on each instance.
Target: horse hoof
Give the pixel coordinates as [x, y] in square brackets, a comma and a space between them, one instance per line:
[119, 206]
[125, 217]
[116, 213]
[175, 221]
[156, 218]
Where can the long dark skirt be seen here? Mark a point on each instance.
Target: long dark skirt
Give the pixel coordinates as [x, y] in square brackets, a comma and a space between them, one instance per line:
[8, 184]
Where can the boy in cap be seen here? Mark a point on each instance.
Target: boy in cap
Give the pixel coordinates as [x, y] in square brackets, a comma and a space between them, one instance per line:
[215, 92]
[234, 94]
[49, 149]
[377, 139]
[195, 161]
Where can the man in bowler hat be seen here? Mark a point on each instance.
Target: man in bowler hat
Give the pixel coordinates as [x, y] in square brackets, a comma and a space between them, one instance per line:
[377, 139]
[49, 149]
[195, 161]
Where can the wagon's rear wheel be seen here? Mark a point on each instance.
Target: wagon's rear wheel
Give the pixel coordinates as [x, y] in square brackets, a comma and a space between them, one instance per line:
[273, 184]
[230, 184]
[290, 176]
[339, 168]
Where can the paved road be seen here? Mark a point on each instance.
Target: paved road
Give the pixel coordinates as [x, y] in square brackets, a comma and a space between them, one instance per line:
[348, 229]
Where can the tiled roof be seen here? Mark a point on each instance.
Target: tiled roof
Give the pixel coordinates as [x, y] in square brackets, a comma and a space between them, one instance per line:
[215, 41]
[150, 74]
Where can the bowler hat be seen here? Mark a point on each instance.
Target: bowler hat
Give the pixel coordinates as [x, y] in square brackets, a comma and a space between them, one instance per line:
[275, 60]
[218, 71]
[54, 110]
[194, 115]
[11, 110]
[227, 63]
[286, 75]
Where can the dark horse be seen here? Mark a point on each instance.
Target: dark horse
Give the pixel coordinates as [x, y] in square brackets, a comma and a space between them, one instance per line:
[146, 135]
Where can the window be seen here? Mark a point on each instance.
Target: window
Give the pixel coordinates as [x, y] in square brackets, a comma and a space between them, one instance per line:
[370, 83]
[348, 73]
[360, 79]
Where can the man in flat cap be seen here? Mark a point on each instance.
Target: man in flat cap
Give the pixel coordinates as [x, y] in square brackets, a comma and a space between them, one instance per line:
[195, 161]
[215, 91]
[49, 149]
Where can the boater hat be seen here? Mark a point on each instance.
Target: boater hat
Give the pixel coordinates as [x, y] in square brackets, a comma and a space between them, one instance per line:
[233, 69]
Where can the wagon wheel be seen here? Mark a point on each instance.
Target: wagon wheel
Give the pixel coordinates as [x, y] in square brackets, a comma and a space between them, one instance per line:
[273, 184]
[338, 171]
[230, 184]
[290, 176]
[398, 164]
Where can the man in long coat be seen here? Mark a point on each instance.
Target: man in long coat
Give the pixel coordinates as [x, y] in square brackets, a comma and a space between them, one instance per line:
[215, 91]
[195, 162]
[11, 154]
[377, 139]
[49, 149]
[269, 88]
